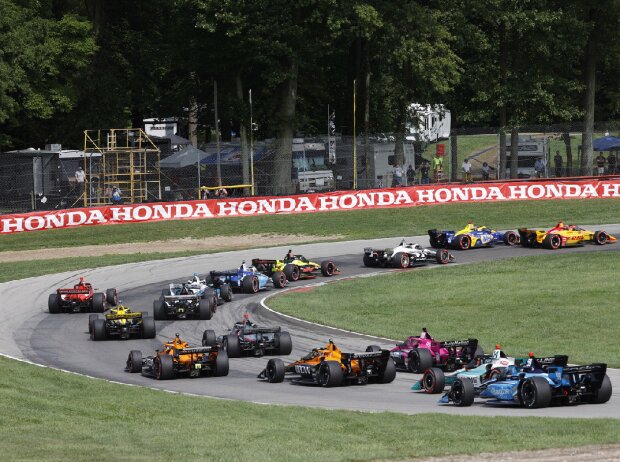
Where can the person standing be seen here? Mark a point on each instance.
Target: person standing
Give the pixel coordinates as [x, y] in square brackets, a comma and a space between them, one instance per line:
[539, 168]
[410, 175]
[437, 167]
[424, 170]
[611, 163]
[557, 159]
[80, 178]
[397, 179]
[486, 170]
[466, 167]
[600, 164]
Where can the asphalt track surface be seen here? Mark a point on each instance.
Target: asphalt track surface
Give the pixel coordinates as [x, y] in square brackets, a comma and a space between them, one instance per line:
[29, 332]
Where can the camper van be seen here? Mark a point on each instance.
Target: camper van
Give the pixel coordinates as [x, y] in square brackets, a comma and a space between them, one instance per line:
[530, 149]
[433, 123]
[309, 163]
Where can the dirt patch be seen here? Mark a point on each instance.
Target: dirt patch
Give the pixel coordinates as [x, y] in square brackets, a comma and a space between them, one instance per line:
[607, 453]
[210, 244]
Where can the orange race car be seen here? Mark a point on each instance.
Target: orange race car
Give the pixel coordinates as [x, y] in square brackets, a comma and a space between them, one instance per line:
[563, 236]
[330, 367]
[178, 358]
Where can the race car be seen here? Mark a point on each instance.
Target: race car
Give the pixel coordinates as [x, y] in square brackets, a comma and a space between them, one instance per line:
[562, 235]
[81, 298]
[481, 369]
[537, 384]
[417, 354]
[222, 290]
[247, 339]
[248, 279]
[405, 255]
[179, 302]
[471, 236]
[295, 267]
[330, 367]
[177, 359]
[121, 323]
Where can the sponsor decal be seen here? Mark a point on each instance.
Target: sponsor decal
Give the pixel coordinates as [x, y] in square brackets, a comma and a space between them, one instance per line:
[308, 203]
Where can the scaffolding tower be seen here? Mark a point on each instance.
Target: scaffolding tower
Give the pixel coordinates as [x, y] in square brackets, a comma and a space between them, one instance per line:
[124, 158]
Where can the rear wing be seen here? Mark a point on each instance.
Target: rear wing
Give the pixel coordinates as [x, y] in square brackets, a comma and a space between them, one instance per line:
[181, 297]
[259, 330]
[224, 273]
[204, 349]
[112, 317]
[74, 291]
[472, 342]
[598, 370]
[262, 261]
[545, 362]
[368, 355]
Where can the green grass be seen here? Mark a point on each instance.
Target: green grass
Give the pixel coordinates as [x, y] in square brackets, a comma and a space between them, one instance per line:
[50, 415]
[551, 304]
[360, 224]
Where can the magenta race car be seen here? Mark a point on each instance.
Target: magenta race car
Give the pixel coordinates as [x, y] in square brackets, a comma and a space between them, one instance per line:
[417, 354]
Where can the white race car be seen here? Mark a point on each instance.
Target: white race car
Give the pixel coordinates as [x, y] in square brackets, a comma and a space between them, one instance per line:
[405, 255]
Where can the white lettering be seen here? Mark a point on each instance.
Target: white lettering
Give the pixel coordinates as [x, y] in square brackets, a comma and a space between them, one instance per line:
[12, 225]
[366, 200]
[34, 223]
[121, 214]
[460, 194]
[347, 201]
[226, 209]
[518, 191]
[611, 190]
[536, 191]
[202, 210]
[443, 195]
[304, 204]
[266, 206]
[403, 197]
[162, 212]
[385, 198]
[247, 208]
[328, 202]
[589, 191]
[142, 213]
[425, 195]
[95, 216]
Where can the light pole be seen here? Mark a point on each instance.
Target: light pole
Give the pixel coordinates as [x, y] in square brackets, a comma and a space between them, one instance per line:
[251, 143]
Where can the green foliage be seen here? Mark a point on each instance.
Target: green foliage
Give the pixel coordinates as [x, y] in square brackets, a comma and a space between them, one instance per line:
[46, 414]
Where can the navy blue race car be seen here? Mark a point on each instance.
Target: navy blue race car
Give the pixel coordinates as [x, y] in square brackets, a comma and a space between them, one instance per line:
[247, 279]
[471, 236]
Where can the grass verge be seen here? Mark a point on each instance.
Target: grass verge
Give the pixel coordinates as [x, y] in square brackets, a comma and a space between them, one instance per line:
[104, 421]
[359, 224]
[551, 304]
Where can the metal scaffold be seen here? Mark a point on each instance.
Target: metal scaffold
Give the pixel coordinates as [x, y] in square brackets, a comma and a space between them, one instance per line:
[126, 159]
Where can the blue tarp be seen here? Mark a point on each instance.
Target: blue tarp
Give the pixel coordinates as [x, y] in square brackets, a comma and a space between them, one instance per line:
[606, 143]
[231, 155]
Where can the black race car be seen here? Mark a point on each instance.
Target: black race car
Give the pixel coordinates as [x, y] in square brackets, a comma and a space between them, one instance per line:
[179, 302]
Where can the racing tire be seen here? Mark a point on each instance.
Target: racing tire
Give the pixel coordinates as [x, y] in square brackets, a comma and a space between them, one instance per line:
[511, 238]
[462, 242]
[552, 241]
[420, 359]
[214, 301]
[209, 338]
[148, 327]
[401, 260]
[250, 284]
[369, 262]
[232, 347]
[328, 268]
[291, 272]
[159, 310]
[53, 303]
[442, 257]
[134, 361]
[111, 296]
[275, 370]
[221, 364]
[330, 374]
[600, 237]
[463, 392]
[279, 279]
[433, 381]
[208, 292]
[373, 348]
[603, 394]
[535, 393]
[99, 332]
[163, 367]
[91, 320]
[435, 244]
[226, 292]
[206, 309]
[388, 374]
[285, 344]
[98, 303]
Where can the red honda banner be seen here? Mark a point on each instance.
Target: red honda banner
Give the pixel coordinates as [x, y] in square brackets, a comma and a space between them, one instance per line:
[341, 200]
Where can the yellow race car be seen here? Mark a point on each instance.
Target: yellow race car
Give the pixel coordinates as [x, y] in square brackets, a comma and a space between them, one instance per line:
[121, 323]
[295, 267]
[562, 235]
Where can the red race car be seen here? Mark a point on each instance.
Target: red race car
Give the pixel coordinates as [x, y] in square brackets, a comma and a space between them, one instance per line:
[81, 298]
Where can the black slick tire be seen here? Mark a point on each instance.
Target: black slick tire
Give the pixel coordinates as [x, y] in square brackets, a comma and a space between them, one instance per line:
[221, 364]
[134, 361]
[209, 338]
[98, 303]
[328, 268]
[232, 346]
[285, 344]
[163, 366]
[330, 374]
[111, 296]
[53, 303]
[99, 332]
[463, 392]
[291, 272]
[148, 327]
[433, 380]
[420, 359]
[275, 370]
[535, 393]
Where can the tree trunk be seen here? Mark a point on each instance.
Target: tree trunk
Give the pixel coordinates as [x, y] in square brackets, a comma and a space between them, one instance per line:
[503, 112]
[366, 125]
[514, 153]
[192, 121]
[399, 136]
[569, 154]
[588, 125]
[284, 145]
[217, 135]
[502, 143]
[95, 9]
[243, 138]
[454, 149]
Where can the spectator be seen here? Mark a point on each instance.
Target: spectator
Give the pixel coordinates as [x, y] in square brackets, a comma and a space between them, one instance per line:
[611, 163]
[539, 168]
[221, 193]
[205, 193]
[410, 175]
[600, 164]
[424, 169]
[397, 179]
[117, 197]
[437, 167]
[80, 176]
[466, 167]
[486, 170]
[558, 164]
